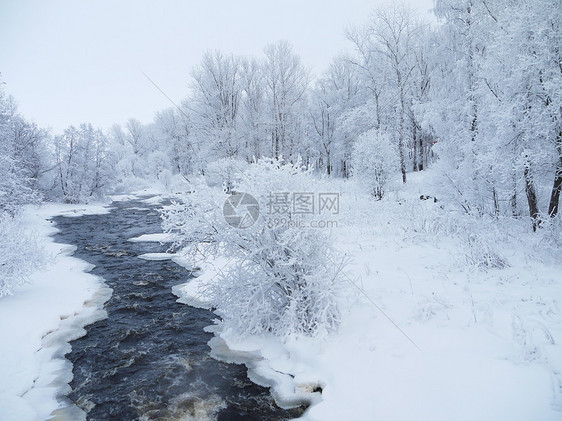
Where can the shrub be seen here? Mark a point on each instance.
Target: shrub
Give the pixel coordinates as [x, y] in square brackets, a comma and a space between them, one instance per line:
[374, 160]
[19, 254]
[285, 274]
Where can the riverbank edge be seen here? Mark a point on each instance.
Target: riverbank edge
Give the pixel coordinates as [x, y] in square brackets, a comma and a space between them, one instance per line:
[263, 356]
[45, 315]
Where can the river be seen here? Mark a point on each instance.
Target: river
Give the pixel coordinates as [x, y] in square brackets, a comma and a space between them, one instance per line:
[149, 359]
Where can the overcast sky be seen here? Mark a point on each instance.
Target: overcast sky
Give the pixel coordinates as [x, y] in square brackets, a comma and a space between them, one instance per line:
[71, 61]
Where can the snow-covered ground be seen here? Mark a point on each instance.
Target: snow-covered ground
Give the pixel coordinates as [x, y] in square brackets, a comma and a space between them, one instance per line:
[444, 318]
[40, 318]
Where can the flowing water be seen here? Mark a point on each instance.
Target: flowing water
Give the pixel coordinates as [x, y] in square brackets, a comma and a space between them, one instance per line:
[149, 359]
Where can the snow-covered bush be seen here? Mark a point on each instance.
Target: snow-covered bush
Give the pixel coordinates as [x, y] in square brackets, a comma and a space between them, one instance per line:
[15, 188]
[19, 254]
[21, 144]
[482, 251]
[547, 242]
[481, 237]
[374, 160]
[285, 274]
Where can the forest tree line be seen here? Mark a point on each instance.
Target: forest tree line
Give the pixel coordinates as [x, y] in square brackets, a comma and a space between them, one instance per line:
[477, 96]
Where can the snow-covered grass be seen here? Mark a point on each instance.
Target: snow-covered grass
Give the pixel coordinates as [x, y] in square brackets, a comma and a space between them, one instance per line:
[42, 316]
[446, 316]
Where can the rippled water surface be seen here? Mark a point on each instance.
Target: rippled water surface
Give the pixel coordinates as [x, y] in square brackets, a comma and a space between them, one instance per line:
[149, 360]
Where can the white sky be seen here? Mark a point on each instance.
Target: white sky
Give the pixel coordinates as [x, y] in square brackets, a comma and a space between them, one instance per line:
[73, 61]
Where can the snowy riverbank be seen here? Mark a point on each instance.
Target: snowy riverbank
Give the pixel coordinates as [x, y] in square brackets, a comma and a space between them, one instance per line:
[40, 318]
[443, 318]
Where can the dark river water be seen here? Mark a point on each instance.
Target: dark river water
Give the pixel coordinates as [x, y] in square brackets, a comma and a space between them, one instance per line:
[149, 359]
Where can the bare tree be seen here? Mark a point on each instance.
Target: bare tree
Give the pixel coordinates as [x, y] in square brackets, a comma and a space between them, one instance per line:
[215, 103]
[253, 104]
[287, 81]
[395, 30]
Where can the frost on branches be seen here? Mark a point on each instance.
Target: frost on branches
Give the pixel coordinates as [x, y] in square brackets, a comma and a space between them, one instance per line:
[19, 254]
[375, 159]
[222, 171]
[284, 275]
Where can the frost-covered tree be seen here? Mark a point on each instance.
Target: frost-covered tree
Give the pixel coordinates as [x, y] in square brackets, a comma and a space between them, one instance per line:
[375, 159]
[20, 160]
[20, 166]
[287, 81]
[128, 150]
[324, 122]
[253, 111]
[15, 187]
[173, 127]
[494, 105]
[223, 173]
[522, 75]
[385, 57]
[285, 275]
[140, 145]
[83, 168]
[422, 139]
[451, 110]
[373, 77]
[215, 105]
[335, 92]
[395, 30]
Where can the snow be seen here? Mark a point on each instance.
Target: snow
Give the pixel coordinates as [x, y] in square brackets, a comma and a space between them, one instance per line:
[444, 315]
[38, 321]
[174, 257]
[156, 237]
[193, 292]
[155, 200]
[427, 332]
[122, 197]
[156, 256]
[49, 210]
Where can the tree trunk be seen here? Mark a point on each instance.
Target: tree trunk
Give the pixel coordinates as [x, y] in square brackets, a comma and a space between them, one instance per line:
[557, 187]
[422, 152]
[401, 123]
[555, 197]
[402, 159]
[496, 202]
[415, 152]
[513, 199]
[531, 196]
